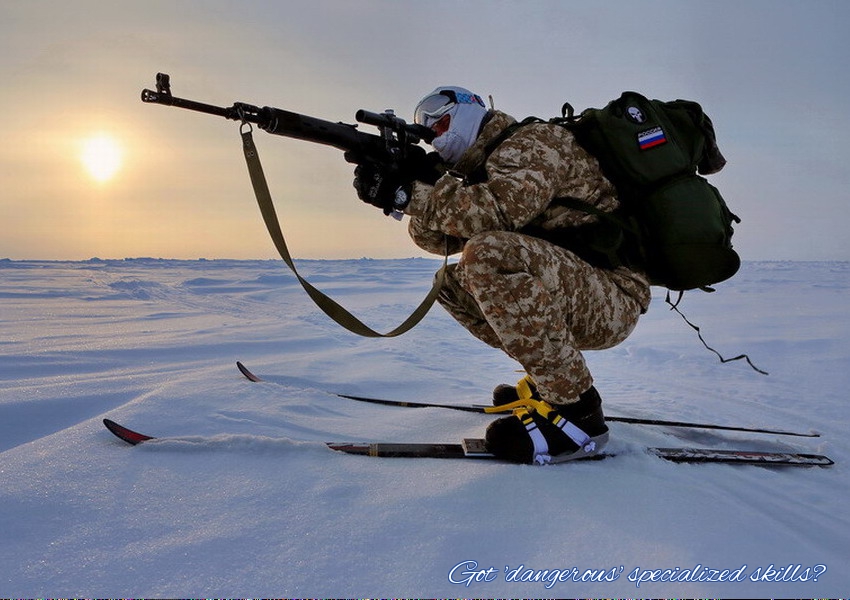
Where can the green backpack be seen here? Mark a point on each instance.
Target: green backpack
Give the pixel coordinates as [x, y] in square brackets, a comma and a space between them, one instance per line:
[677, 226]
[671, 223]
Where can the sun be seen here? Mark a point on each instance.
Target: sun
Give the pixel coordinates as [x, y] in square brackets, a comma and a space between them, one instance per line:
[101, 156]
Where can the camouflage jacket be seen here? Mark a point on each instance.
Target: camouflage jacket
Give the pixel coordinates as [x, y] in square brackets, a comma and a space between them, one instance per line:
[537, 163]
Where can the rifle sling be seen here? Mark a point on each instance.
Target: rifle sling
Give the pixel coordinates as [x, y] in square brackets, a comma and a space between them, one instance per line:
[329, 306]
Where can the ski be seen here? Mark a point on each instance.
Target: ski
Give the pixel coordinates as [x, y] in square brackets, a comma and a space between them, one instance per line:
[128, 435]
[476, 408]
[474, 448]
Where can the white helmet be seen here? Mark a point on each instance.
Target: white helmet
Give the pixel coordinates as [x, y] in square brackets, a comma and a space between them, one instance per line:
[457, 132]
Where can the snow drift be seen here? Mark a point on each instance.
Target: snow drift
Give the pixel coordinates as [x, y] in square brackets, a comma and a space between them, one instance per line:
[248, 501]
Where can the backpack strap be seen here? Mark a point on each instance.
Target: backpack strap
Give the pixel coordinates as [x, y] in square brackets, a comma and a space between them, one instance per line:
[508, 132]
[616, 238]
[479, 173]
[675, 306]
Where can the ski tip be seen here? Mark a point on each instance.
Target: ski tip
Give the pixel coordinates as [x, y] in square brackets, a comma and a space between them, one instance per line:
[125, 434]
[248, 374]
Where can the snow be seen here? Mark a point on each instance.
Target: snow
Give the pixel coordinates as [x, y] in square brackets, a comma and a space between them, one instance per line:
[244, 499]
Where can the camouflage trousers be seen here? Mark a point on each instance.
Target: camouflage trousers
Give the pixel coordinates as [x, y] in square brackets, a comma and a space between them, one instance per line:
[540, 304]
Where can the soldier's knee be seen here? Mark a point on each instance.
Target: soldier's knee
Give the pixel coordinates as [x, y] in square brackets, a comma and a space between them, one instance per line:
[490, 248]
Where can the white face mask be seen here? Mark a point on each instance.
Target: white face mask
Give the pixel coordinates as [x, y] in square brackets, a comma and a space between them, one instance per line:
[462, 132]
[450, 146]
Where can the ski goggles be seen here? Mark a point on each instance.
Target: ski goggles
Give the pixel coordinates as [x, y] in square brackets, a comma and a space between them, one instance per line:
[436, 105]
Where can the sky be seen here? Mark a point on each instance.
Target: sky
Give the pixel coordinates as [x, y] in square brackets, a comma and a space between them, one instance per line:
[170, 183]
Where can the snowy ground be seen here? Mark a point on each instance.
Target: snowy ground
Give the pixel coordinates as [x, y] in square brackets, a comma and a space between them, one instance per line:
[240, 506]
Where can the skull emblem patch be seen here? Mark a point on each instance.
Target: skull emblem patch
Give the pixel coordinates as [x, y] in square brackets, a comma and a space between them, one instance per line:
[635, 115]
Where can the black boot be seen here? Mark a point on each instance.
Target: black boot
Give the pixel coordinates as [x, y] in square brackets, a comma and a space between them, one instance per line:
[540, 433]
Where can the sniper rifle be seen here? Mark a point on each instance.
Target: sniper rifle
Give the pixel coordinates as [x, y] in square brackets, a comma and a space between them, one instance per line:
[397, 140]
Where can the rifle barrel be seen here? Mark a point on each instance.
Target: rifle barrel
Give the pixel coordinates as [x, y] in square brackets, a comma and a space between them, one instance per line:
[152, 97]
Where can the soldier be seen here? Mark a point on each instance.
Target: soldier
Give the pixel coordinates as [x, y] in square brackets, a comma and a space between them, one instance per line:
[522, 284]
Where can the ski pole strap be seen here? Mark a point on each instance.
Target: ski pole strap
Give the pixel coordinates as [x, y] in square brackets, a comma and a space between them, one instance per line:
[329, 306]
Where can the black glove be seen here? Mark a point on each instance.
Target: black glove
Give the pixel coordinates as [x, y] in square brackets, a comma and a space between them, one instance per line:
[381, 187]
[389, 188]
[419, 166]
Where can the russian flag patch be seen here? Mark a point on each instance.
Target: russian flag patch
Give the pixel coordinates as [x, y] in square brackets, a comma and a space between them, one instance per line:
[651, 138]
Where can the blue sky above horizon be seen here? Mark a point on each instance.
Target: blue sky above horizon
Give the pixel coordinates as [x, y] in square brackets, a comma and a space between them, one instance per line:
[772, 75]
